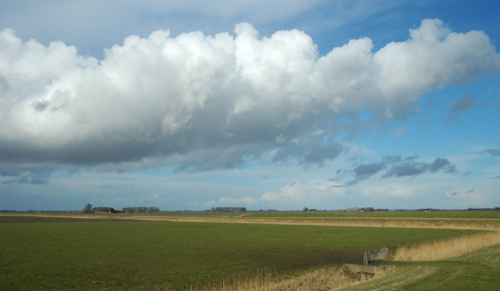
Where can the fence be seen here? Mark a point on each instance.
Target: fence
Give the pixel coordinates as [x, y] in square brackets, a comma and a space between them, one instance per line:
[375, 255]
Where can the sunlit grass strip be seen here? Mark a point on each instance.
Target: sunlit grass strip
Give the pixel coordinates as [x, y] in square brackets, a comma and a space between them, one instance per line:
[446, 248]
[395, 279]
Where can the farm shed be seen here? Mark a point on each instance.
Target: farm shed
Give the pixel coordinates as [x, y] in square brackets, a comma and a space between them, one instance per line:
[353, 209]
[106, 210]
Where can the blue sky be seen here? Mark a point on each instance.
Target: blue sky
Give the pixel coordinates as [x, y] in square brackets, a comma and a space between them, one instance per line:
[265, 105]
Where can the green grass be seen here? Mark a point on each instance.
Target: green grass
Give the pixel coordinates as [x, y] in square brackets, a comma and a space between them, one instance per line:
[129, 255]
[41, 219]
[479, 270]
[383, 214]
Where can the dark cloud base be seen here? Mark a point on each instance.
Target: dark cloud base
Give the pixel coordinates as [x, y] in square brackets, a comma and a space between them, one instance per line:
[399, 167]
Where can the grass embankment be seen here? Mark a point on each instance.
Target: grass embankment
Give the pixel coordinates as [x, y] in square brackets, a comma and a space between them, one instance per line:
[487, 220]
[384, 214]
[131, 255]
[478, 270]
[465, 263]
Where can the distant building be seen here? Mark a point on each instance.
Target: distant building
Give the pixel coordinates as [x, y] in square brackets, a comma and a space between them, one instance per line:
[106, 210]
[353, 209]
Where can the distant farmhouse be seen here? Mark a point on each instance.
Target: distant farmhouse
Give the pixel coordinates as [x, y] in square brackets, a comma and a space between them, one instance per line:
[353, 209]
[106, 210]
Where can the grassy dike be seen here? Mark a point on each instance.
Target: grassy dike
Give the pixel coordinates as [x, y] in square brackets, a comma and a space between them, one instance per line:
[478, 270]
[72, 254]
[384, 214]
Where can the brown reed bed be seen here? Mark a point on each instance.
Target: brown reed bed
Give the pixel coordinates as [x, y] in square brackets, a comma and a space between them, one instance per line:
[446, 248]
[316, 280]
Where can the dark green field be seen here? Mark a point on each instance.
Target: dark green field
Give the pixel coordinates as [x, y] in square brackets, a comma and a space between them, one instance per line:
[88, 254]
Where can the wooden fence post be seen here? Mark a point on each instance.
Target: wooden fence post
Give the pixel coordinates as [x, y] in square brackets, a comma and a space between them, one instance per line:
[375, 255]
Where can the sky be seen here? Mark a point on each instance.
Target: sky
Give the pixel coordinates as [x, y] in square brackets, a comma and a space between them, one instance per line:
[189, 105]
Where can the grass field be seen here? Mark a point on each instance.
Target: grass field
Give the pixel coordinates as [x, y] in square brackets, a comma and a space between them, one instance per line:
[45, 253]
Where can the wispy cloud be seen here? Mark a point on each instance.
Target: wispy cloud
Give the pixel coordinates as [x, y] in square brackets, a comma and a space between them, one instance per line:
[36, 178]
[364, 171]
[492, 152]
[462, 105]
[466, 103]
[398, 167]
[416, 168]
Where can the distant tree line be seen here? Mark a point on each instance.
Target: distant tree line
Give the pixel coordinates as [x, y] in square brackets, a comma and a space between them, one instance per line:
[371, 209]
[364, 209]
[141, 209]
[480, 209]
[229, 209]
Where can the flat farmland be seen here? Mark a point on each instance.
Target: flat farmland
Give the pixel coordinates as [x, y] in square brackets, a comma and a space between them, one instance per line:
[383, 214]
[72, 254]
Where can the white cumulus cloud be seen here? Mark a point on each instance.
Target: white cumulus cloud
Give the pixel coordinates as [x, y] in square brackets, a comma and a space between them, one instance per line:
[214, 101]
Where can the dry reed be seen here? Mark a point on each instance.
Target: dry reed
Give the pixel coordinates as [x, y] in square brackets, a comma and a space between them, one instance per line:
[317, 280]
[446, 248]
